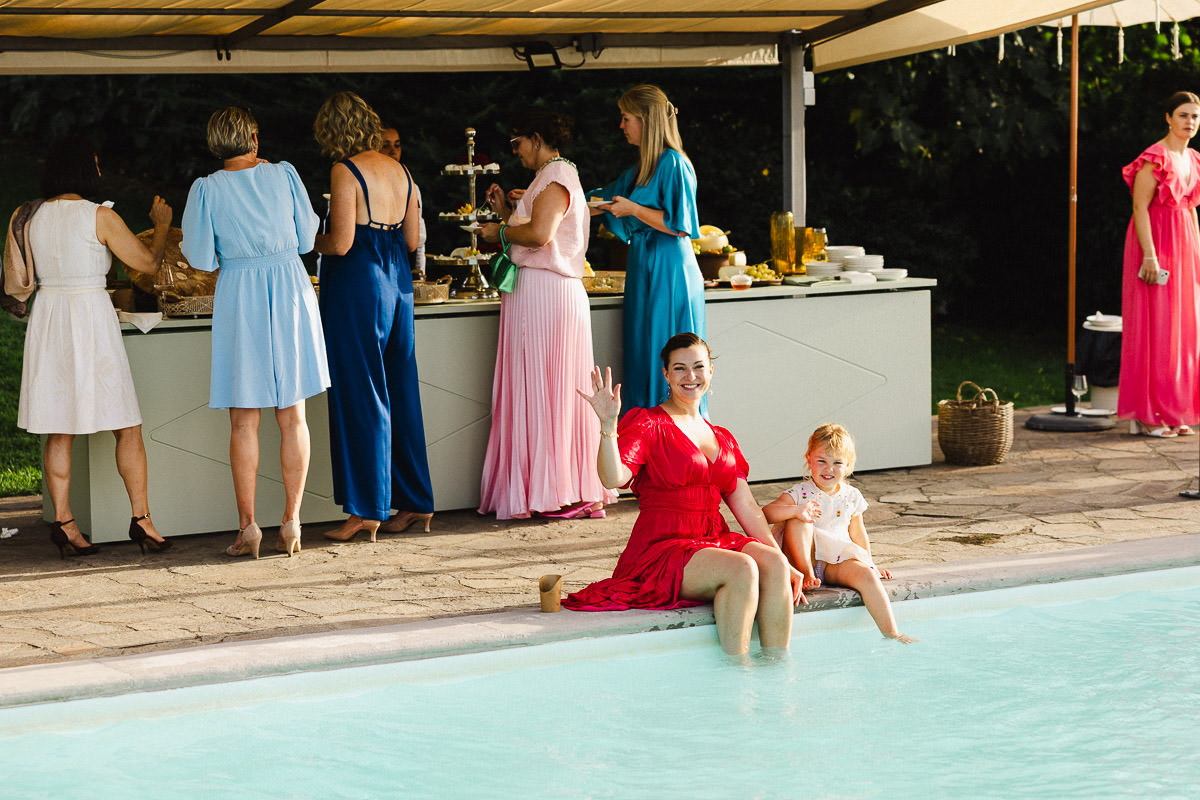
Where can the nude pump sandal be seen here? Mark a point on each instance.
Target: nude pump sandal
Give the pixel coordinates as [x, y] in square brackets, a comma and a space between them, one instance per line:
[289, 537]
[251, 537]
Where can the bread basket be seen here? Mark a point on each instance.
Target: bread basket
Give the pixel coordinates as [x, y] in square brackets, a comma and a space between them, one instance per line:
[605, 282]
[429, 292]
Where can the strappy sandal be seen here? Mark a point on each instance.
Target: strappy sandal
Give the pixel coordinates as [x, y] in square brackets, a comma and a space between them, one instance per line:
[1185, 430]
[1161, 432]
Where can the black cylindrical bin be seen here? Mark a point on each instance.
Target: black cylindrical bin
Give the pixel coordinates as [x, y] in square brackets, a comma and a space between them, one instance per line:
[1098, 356]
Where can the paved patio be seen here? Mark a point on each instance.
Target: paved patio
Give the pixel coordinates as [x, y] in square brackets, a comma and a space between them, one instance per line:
[1055, 492]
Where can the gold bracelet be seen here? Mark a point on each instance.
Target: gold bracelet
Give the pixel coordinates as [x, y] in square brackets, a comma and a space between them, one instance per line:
[605, 434]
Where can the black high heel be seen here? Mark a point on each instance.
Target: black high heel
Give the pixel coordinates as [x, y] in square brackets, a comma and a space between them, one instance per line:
[138, 534]
[64, 544]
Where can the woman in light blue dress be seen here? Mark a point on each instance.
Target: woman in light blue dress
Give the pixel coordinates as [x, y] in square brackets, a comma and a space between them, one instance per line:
[253, 220]
[653, 208]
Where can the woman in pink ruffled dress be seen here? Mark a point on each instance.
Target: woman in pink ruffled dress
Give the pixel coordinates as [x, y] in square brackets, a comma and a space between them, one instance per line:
[1160, 293]
[542, 448]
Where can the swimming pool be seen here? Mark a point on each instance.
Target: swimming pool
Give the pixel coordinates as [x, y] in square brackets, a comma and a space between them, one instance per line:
[1079, 689]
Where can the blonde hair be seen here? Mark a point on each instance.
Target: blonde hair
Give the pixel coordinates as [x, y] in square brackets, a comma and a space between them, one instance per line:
[660, 127]
[836, 439]
[346, 125]
[231, 132]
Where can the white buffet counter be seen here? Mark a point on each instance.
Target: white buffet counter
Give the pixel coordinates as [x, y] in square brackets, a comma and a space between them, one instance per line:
[789, 358]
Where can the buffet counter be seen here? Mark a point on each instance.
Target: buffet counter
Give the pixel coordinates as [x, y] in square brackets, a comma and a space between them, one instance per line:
[788, 359]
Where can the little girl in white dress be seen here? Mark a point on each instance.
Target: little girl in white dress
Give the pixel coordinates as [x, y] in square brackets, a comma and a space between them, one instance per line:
[822, 531]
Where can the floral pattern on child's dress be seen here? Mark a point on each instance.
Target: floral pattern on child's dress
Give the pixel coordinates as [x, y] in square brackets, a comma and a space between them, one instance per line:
[832, 516]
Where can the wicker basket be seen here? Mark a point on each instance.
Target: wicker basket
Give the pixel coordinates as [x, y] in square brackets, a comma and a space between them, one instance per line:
[977, 430]
[604, 282]
[201, 306]
[426, 292]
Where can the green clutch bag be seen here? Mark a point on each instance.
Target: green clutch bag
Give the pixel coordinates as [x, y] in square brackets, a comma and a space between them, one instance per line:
[503, 268]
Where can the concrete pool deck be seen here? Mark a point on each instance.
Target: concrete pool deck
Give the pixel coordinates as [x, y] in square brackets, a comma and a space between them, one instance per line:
[1060, 506]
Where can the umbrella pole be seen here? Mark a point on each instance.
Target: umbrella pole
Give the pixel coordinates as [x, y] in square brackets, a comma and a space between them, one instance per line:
[1072, 213]
[1072, 421]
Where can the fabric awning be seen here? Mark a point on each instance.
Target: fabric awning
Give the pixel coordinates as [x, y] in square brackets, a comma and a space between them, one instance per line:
[940, 25]
[113, 36]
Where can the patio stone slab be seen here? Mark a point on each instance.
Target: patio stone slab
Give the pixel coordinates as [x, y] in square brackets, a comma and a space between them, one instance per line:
[1056, 495]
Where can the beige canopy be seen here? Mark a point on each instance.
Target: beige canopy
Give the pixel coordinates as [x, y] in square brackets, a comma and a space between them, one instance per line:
[115, 36]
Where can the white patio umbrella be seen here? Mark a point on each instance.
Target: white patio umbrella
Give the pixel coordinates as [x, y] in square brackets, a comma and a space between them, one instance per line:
[1119, 14]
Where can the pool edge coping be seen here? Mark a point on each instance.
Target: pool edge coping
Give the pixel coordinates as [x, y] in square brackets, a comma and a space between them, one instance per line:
[235, 661]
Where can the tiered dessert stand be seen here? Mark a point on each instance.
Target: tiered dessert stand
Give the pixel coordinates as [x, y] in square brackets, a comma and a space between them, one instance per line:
[474, 286]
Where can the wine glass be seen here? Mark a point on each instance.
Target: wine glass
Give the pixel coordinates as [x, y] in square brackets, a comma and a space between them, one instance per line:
[1079, 387]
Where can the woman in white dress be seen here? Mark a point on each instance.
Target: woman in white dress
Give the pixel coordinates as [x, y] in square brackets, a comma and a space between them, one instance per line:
[76, 378]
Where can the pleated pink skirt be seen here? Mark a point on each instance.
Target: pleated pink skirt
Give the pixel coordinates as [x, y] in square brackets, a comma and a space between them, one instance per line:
[541, 452]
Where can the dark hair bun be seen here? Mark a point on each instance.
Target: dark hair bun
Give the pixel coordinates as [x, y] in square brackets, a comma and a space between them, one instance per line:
[554, 128]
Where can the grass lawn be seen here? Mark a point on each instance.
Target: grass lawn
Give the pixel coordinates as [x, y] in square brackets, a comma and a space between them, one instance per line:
[1024, 367]
[20, 452]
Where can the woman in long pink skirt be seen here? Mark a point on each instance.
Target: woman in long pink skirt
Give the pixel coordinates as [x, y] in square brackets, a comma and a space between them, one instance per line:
[542, 448]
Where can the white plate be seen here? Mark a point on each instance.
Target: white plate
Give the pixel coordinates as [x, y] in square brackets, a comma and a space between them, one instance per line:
[890, 274]
[474, 227]
[1104, 319]
[1084, 412]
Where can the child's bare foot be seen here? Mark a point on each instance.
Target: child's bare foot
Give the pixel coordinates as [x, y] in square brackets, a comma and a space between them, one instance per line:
[811, 581]
[900, 637]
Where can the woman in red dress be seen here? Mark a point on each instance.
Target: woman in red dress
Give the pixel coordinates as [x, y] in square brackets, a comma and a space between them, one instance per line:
[681, 552]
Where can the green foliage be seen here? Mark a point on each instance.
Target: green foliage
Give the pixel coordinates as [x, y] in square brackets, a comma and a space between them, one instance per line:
[1022, 366]
[956, 166]
[20, 452]
[150, 131]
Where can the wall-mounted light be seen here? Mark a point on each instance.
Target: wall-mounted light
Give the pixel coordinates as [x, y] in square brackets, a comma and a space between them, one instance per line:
[538, 55]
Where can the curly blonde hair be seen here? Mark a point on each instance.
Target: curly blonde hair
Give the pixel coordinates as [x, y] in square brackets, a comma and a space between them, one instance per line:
[837, 440]
[346, 125]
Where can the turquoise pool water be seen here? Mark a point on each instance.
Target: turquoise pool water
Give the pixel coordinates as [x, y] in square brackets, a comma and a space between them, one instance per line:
[1076, 690]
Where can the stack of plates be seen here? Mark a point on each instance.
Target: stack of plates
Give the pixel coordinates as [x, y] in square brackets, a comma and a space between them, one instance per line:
[822, 268]
[856, 277]
[838, 252]
[863, 263]
[1103, 322]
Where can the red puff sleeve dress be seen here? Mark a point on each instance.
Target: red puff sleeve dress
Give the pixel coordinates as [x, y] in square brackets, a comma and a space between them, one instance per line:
[1160, 345]
[679, 492]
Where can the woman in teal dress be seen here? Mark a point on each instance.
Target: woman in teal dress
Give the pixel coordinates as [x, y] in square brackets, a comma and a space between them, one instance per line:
[653, 208]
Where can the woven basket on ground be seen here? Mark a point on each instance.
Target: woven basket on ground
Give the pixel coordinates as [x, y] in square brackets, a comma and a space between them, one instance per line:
[977, 430]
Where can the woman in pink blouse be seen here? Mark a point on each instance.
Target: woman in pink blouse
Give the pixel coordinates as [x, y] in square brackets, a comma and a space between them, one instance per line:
[541, 451]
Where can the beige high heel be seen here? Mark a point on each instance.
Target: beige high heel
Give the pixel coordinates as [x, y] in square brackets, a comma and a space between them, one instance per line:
[371, 526]
[251, 537]
[403, 520]
[289, 537]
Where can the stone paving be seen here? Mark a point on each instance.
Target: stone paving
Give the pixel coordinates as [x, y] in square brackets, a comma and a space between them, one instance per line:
[1054, 491]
